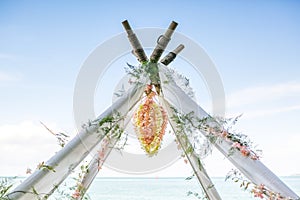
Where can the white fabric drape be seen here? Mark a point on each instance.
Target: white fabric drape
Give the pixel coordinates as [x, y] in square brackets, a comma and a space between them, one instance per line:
[104, 150]
[43, 181]
[254, 170]
[194, 159]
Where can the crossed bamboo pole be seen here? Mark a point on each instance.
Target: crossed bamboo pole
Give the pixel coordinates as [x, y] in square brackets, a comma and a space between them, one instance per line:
[96, 163]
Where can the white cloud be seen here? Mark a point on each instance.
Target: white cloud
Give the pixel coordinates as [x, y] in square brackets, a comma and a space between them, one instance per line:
[261, 101]
[269, 114]
[249, 114]
[24, 145]
[260, 94]
[282, 154]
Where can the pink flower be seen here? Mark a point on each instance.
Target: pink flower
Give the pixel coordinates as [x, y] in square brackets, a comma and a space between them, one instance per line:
[255, 157]
[76, 194]
[258, 194]
[101, 154]
[245, 151]
[258, 191]
[236, 145]
[261, 187]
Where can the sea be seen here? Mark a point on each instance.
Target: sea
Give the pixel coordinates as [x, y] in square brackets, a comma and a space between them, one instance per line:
[171, 188]
[113, 188]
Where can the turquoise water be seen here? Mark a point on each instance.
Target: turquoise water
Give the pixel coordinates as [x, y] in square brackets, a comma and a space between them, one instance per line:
[168, 188]
[164, 188]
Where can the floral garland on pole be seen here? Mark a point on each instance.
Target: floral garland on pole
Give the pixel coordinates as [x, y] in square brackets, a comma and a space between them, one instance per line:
[258, 191]
[217, 129]
[240, 142]
[211, 128]
[79, 189]
[108, 126]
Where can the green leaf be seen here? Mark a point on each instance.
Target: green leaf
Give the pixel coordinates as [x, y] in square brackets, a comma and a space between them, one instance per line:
[190, 177]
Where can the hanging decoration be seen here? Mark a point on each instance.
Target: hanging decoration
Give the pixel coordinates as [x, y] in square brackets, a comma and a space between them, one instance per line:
[150, 122]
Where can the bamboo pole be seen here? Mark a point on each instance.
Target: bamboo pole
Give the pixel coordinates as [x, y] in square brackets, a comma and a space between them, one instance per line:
[162, 42]
[138, 50]
[172, 55]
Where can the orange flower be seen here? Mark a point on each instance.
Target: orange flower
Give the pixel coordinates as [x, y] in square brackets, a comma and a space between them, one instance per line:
[245, 151]
[224, 134]
[150, 122]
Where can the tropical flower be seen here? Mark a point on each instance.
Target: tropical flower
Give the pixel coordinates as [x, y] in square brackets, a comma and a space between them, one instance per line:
[150, 122]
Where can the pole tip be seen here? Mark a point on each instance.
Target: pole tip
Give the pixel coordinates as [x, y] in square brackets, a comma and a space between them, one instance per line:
[173, 25]
[178, 49]
[126, 25]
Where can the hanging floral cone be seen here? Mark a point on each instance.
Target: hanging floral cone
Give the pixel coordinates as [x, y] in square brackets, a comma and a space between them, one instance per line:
[150, 122]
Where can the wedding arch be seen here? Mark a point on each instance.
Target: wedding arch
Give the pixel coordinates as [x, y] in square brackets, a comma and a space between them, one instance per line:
[154, 101]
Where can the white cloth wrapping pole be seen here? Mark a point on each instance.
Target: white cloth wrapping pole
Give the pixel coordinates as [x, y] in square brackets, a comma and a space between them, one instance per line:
[44, 181]
[95, 165]
[104, 149]
[254, 170]
[194, 160]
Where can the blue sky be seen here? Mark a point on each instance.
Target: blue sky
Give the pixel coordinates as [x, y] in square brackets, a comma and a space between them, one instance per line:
[255, 46]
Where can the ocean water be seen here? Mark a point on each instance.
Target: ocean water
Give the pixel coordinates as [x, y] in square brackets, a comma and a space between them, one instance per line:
[165, 188]
[169, 188]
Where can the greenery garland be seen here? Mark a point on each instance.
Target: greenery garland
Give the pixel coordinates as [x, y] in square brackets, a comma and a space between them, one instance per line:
[217, 130]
